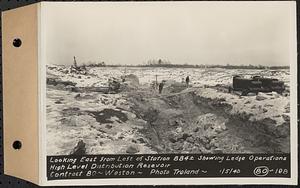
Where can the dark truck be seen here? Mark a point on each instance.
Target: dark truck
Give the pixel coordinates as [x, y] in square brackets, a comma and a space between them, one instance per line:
[256, 84]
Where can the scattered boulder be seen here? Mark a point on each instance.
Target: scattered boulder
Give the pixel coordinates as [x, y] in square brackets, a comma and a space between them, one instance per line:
[83, 97]
[190, 139]
[268, 105]
[71, 88]
[132, 149]
[196, 129]
[178, 146]
[141, 140]
[172, 122]
[287, 108]
[172, 139]
[176, 122]
[178, 129]
[151, 115]
[67, 112]
[207, 146]
[260, 96]
[77, 96]
[52, 81]
[79, 149]
[269, 121]
[114, 85]
[187, 147]
[217, 151]
[220, 128]
[185, 136]
[247, 102]
[58, 102]
[275, 94]
[286, 117]
[69, 121]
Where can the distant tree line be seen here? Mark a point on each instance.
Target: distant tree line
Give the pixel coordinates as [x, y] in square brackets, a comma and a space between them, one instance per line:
[168, 64]
[93, 64]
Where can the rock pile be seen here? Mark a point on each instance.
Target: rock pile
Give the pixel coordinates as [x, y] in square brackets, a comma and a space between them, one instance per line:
[200, 136]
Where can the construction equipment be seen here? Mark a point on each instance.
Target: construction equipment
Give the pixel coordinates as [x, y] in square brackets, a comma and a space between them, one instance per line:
[256, 84]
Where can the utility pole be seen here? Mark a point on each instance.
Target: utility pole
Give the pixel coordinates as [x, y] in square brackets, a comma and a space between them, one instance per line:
[75, 63]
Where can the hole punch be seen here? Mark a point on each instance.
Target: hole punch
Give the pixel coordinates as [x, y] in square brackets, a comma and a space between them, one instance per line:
[17, 42]
[17, 145]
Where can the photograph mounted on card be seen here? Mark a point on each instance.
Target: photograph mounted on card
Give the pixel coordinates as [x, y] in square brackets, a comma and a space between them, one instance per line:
[151, 93]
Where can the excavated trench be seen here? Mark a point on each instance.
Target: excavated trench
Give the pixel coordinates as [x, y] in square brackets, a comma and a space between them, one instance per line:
[187, 123]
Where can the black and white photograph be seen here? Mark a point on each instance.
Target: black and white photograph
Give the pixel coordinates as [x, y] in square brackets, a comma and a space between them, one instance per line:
[167, 78]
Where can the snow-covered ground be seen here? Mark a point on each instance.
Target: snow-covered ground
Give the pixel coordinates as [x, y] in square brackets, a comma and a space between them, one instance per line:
[71, 118]
[146, 75]
[142, 121]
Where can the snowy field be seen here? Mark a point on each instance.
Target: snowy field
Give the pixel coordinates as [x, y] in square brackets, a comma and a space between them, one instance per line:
[198, 119]
[199, 77]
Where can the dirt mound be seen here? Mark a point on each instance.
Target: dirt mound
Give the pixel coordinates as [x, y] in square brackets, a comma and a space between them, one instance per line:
[132, 80]
[129, 82]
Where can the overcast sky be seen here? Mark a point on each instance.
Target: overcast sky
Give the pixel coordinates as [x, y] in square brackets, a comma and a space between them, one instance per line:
[190, 32]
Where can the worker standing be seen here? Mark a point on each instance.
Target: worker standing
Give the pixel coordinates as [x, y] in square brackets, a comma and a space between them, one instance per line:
[187, 81]
[160, 87]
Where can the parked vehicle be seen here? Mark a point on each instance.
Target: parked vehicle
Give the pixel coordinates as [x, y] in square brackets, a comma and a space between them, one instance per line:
[256, 84]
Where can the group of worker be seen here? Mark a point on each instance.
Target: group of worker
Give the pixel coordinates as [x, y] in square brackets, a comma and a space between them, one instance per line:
[162, 83]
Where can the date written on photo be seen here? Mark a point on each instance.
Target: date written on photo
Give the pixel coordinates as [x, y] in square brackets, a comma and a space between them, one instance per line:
[168, 165]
